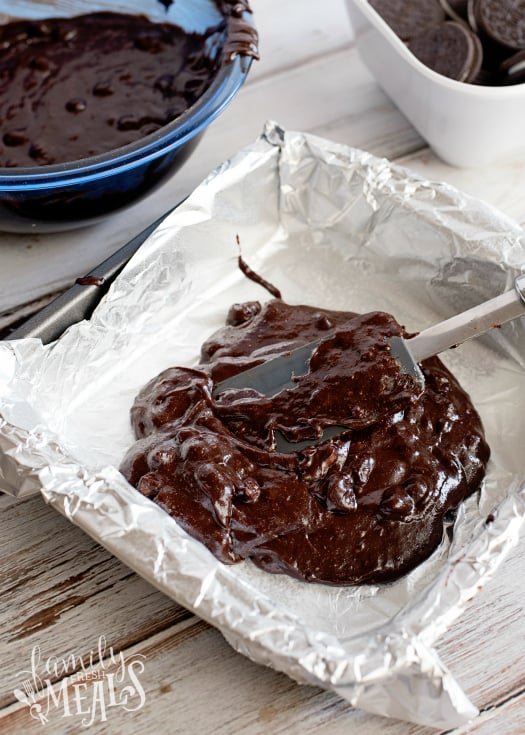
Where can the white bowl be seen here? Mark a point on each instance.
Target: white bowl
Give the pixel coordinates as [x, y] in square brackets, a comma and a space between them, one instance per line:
[466, 124]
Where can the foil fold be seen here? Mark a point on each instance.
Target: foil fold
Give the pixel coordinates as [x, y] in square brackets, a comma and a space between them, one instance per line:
[330, 226]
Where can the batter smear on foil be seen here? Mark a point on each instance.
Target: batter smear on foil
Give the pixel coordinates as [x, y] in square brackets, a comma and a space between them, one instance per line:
[367, 506]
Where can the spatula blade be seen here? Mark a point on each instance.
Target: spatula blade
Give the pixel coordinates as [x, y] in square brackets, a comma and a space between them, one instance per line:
[401, 351]
[278, 373]
[272, 376]
[286, 447]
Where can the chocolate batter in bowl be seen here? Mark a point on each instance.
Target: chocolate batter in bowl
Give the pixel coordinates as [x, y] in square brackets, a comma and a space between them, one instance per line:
[99, 108]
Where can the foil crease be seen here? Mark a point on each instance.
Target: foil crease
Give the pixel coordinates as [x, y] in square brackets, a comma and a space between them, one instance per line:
[332, 226]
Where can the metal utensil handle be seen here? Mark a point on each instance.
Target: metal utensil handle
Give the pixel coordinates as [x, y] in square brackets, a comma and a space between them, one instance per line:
[79, 301]
[470, 323]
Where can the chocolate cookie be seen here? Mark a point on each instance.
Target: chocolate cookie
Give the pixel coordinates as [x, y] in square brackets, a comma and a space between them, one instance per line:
[465, 40]
[409, 18]
[513, 68]
[502, 20]
[472, 16]
[451, 49]
[456, 9]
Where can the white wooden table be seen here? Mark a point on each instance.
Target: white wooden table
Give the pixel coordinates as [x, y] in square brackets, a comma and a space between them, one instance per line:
[60, 593]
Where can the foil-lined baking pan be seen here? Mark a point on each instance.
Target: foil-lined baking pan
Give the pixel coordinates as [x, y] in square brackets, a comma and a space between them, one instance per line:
[330, 226]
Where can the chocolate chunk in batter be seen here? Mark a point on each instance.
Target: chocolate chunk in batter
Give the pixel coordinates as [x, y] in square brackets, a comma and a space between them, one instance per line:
[367, 506]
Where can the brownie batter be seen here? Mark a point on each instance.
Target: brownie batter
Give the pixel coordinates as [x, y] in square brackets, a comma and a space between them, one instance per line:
[75, 87]
[367, 506]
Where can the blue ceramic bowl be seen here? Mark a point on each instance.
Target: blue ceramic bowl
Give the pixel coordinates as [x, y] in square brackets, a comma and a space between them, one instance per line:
[70, 195]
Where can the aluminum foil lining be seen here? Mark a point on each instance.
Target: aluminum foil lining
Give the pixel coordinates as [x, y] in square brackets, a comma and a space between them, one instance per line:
[330, 226]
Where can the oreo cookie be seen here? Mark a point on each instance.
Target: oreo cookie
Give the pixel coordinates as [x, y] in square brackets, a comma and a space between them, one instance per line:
[481, 46]
[472, 15]
[409, 18]
[513, 69]
[494, 54]
[450, 49]
[502, 20]
[456, 9]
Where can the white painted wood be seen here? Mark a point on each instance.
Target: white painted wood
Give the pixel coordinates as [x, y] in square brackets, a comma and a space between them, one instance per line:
[195, 683]
[49, 571]
[61, 592]
[486, 648]
[297, 30]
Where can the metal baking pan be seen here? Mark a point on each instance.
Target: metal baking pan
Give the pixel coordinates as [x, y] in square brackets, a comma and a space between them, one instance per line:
[80, 300]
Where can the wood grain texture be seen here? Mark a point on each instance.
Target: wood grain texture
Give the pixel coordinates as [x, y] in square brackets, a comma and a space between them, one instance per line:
[67, 592]
[195, 683]
[61, 592]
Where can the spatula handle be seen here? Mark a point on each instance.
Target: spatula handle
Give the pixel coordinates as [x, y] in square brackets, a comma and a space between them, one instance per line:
[471, 323]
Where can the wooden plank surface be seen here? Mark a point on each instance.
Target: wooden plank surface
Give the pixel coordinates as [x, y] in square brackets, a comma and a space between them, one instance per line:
[61, 593]
[191, 672]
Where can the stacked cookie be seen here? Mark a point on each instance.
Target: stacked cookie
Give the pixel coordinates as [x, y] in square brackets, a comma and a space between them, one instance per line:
[473, 41]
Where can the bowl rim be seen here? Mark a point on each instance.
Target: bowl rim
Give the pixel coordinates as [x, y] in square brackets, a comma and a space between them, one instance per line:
[175, 134]
[475, 90]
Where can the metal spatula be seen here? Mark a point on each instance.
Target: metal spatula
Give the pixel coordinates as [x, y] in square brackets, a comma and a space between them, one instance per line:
[273, 376]
[458, 329]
